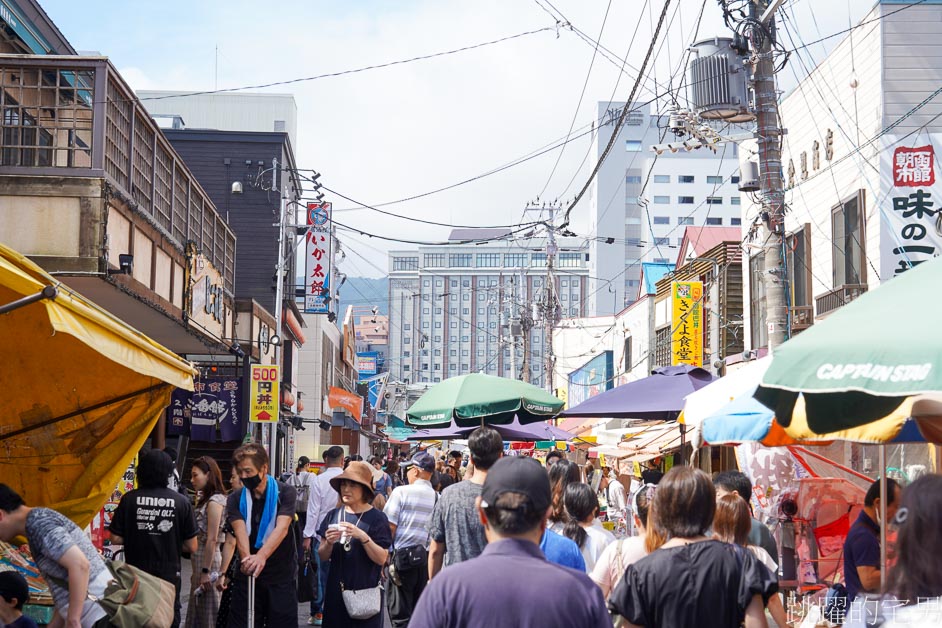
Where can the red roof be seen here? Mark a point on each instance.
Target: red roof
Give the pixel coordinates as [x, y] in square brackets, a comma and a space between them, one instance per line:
[705, 238]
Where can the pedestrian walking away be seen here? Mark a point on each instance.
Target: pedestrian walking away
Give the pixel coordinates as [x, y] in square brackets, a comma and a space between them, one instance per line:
[355, 537]
[409, 511]
[583, 527]
[511, 583]
[611, 565]
[261, 515]
[456, 530]
[65, 556]
[739, 483]
[323, 499]
[692, 581]
[203, 606]
[155, 524]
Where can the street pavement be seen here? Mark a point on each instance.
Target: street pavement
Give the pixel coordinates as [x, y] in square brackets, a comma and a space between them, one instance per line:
[304, 610]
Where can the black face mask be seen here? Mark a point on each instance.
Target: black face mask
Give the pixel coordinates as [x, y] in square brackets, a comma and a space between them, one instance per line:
[252, 482]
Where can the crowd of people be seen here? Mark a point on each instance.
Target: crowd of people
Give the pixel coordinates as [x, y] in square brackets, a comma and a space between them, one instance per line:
[470, 541]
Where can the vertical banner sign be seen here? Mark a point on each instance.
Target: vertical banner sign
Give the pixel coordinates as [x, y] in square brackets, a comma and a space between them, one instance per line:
[911, 196]
[687, 323]
[264, 394]
[318, 258]
[216, 401]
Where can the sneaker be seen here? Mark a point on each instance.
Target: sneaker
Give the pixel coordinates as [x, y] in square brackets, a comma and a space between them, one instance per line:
[315, 620]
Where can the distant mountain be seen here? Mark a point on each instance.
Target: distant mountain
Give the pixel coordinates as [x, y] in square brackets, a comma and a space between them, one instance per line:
[364, 291]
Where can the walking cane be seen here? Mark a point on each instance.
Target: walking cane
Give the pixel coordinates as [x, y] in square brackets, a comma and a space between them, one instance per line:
[251, 611]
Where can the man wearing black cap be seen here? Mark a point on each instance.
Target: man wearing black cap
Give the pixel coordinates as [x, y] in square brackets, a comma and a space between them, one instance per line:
[409, 511]
[511, 583]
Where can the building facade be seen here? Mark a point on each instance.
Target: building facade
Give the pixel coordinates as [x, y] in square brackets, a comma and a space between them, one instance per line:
[641, 201]
[462, 309]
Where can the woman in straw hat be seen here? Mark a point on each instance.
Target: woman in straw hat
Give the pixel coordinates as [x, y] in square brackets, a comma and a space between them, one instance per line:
[355, 538]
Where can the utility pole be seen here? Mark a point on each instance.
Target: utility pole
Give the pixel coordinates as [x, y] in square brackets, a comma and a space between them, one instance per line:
[772, 189]
[549, 311]
[279, 300]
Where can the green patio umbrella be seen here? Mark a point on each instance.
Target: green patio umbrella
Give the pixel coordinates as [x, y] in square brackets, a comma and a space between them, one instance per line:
[479, 399]
[865, 359]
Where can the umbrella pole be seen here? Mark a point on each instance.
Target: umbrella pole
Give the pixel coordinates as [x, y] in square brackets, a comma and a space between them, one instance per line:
[883, 521]
[683, 444]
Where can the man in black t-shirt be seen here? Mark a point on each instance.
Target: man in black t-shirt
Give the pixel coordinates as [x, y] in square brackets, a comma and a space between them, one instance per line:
[261, 515]
[155, 524]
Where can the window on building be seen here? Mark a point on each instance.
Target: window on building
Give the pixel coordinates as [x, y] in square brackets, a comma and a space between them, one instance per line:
[453, 353]
[459, 260]
[633, 146]
[662, 241]
[685, 200]
[848, 253]
[662, 220]
[406, 367]
[662, 178]
[488, 260]
[438, 367]
[482, 296]
[465, 339]
[454, 324]
[736, 222]
[631, 220]
[438, 283]
[714, 179]
[436, 380]
[633, 242]
[633, 178]
[454, 283]
[661, 260]
[438, 324]
[453, 311]
[438, 352]
[425, 366]
[465, 283]
[799, 266]
[538, 259]
[662, 200]
[569, 260]
[406, 354]
[735, 200]
[438, 310]
[465, 297]
[662, 346]
[714, 200]
[407, 340]
[627, 357]
[734, 179]
[685, 220]
[435, 260]
[714, 221]
[465, 311]
[686, 178]
[515, 260]
[405, 263]
[564, 297]
[757, 301]
[438, 338]
[426, 282]
[406, 327]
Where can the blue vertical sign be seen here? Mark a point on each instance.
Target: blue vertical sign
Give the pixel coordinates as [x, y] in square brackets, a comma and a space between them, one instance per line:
[319, 257]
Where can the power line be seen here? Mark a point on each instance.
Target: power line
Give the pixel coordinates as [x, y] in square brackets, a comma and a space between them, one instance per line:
[861, 24]
[621, 119]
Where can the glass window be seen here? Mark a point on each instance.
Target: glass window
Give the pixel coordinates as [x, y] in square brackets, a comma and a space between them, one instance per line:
[662, 220]
[685, 200]
[662, 178]
[714, 200]
[454, 324]
[662, 241]
[632, 178]
[465, 339]
[453, 311]
[515, 260]
[438, 324]
[633, 242]
[734, 179]
[847, 250]
[714, 221]
[465, 297]
[661, 260]
[632, 220]
[454, 283]
[633, 146]
[662, 200]
[736, 222]
[685, 220]
[538, 259]
[438, 310]
[686, 178]
[435, 260]
[438, 283]
[714, 179]
[488, 260]
[465, 311]
[426, 282]
[569, 260]
[459, 260]
[465, 283]
[405, 263]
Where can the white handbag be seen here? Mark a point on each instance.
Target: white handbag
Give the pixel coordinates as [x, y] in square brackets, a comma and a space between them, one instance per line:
[363, 603]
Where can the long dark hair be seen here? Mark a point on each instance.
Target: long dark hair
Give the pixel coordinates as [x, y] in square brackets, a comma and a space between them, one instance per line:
[214, 483]
[917, 574]
[732, 520]
[581, 503]
[561, 475]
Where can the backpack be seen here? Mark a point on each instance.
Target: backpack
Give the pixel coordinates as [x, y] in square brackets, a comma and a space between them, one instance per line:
[304, 493]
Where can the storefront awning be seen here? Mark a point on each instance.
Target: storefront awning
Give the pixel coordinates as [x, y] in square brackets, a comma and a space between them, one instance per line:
[82, 391]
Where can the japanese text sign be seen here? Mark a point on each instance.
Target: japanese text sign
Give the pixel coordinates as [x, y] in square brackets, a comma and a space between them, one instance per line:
[687, 323]
[264, 394]
[318, 256]
[910, 203]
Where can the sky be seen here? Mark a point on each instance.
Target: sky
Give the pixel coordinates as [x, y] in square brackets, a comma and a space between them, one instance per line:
[391, 133]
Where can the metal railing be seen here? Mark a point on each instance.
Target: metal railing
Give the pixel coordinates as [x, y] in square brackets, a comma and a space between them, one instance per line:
[74, 116]
[840, 296]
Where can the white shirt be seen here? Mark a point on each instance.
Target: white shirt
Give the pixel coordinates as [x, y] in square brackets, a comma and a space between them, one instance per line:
[616, 495]
[410, 509]
[323, 499]
[598, 539]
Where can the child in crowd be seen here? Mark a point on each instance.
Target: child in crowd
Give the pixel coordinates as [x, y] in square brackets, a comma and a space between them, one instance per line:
[14, 593]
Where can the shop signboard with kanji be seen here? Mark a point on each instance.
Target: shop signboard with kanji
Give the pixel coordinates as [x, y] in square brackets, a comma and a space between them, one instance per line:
[687, 323]
[910, 197]
[318, 259]
[264, 394]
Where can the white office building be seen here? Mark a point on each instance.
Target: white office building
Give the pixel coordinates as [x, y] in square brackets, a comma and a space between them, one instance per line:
[461, 309]
[641, 201]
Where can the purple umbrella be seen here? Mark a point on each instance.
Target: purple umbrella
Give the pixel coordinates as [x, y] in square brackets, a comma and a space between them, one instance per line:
[659, 397]
[513, 431]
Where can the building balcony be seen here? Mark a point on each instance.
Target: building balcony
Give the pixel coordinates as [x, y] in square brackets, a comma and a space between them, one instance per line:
[802, 317]
[74, 117]
[840, 296]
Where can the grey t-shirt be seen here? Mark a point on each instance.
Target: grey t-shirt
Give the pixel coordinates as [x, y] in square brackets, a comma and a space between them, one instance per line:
[455, 521]
[51, 535]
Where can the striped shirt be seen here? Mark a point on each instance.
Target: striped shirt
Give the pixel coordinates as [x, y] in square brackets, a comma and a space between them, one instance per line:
[410, 509]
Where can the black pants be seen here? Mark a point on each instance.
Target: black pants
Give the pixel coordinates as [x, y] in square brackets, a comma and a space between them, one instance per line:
[401, 600]
[276, 605]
